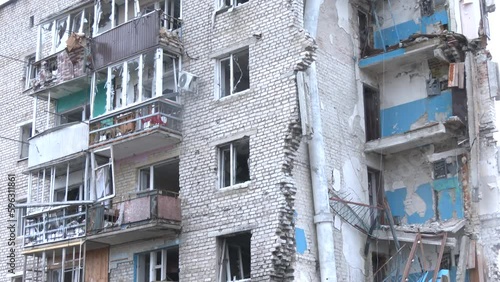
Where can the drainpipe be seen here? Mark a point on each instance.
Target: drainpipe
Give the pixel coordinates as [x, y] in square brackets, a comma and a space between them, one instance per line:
[323, 218]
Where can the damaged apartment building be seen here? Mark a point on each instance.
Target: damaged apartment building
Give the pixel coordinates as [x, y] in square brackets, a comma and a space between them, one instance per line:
[241, 140]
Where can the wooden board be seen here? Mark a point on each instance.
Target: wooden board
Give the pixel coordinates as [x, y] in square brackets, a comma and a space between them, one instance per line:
[96, 265]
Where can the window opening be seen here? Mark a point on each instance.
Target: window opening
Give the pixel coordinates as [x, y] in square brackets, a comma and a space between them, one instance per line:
[163, 176]
[158, 265]
[78, 114]
[62, 33]
[20, 214]
[376, 195]
[104, 15]
[379, 267]
[235, 257]
[234, 74]
[364, 33]
[230, 3]
[233, 163]
[117, 80]
[25, 135]
[372, 113]
[31, 71]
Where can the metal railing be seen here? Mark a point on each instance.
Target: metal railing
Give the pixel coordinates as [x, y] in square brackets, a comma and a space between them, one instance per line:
[55, 224]
[154, 205]
[156, 113]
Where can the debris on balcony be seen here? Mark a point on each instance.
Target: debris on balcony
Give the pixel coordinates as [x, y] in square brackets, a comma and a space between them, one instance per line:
[66, 65]
[170, 38]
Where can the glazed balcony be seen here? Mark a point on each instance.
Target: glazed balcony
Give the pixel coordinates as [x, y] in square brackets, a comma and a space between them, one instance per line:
[149, 215]
[58, 142]
[152, 30]
[146, 126]
[54, 225]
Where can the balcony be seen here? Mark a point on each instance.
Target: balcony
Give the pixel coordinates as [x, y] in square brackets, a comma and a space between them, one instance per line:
[149, 215]
[62, 73]
[58, 142]
[53, 225]
[146, 126]
[131, 38]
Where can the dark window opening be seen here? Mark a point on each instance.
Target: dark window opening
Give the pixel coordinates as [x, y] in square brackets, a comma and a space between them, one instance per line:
[25, 136]
[363, 33]
[79, 114]
[32, 21]
[164, 176]
[379, 267]
[235, 257]
[376, 195]
[233, 162]
[426, 7]
[372, 113]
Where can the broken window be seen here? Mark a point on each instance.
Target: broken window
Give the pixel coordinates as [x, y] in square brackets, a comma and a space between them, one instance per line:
[164, 176]
[26, 130]
[104, 15]
[31, 71]
[169, 77]
[233, 163]
[148, 76]
[234, 264]
[132, 79]
[158, 265]
[234, 73]
[223, 4]
[20, 214]
[73, 194]
[62, 33]
[78, 114]
[117, 81]
[372, 113]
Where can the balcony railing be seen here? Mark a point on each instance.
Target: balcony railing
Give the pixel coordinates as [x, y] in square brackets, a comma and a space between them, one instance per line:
[58, 142]
[135, 36]
[155, 114]
[150, 211]
[54, 225]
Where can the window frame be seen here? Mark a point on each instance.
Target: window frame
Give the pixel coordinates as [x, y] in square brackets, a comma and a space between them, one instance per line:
[141, 271]
[24, 139]
[220, 89]
[151, 169]
[222, 6]
[232, 163]
[224, 260]
[31, 70]
[20, 214]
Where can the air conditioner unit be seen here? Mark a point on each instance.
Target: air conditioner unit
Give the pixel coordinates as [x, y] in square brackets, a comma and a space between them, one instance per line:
[187, 81]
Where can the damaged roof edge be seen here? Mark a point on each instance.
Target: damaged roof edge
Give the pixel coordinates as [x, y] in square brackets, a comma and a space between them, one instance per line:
[72, 8]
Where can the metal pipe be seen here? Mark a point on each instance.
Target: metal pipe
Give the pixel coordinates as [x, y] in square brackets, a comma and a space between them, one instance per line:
[45, 204]
[323, 218]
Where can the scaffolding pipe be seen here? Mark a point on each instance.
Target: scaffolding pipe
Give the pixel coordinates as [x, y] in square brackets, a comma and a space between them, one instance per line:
[323, 218]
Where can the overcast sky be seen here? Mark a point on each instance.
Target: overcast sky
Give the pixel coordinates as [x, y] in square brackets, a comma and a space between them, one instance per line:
[494, 44]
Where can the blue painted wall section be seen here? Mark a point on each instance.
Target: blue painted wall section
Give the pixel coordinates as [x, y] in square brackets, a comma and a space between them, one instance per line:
[398, 119]
[450, 198]
[300, 239]
[405, 29]
[72, 101]
[396, 201]
[424, 191]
